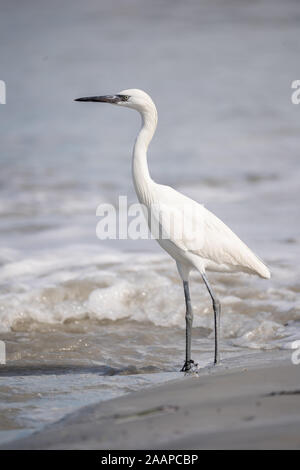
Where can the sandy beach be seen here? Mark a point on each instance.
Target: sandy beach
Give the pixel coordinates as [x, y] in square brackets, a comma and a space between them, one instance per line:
[254, 408]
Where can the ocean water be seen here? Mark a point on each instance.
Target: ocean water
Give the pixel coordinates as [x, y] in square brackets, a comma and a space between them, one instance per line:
[85, 320]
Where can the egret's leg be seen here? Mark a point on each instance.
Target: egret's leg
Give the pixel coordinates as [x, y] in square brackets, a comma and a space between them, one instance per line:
[189, 323]
[217, 314]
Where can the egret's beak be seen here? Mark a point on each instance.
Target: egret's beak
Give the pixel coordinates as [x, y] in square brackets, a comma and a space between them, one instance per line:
[101, 99]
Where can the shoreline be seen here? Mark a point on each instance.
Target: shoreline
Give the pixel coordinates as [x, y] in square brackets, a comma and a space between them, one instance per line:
[243, 408]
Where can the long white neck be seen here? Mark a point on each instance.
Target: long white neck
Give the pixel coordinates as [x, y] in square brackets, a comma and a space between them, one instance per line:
[140, 171]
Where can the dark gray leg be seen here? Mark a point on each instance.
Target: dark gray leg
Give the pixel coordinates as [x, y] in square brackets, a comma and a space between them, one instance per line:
[217, 313]
[189, 322]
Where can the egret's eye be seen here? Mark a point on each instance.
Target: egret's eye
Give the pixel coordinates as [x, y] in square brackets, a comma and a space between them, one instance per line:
[124, 97]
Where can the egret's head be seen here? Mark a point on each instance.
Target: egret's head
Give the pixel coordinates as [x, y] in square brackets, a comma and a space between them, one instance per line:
[132, 98]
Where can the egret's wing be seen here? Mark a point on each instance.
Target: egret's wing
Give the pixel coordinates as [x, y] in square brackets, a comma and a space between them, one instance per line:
[195, 229]
[222, 245]
[178, 219]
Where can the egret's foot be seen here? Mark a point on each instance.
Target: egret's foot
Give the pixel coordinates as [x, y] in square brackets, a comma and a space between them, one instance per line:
[188, 366]
[217, 361]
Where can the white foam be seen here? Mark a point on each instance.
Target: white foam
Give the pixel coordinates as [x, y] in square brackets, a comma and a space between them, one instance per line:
[85, 282]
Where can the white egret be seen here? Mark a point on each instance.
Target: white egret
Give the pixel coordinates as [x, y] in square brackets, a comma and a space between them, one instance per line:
[212, 246]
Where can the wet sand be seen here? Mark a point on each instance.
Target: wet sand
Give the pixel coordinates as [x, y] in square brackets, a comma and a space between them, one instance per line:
[255, 408]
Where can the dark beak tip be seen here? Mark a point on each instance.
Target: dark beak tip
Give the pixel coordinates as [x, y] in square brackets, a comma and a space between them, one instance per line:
[100, 99]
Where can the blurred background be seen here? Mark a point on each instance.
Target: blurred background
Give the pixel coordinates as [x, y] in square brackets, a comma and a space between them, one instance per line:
[109, 312]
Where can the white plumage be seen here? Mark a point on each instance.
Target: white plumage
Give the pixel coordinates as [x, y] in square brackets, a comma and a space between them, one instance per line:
[191, 234]
[206, 243]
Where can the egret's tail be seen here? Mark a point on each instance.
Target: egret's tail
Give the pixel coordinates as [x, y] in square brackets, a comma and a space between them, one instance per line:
[259, 267]
[263, 271]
